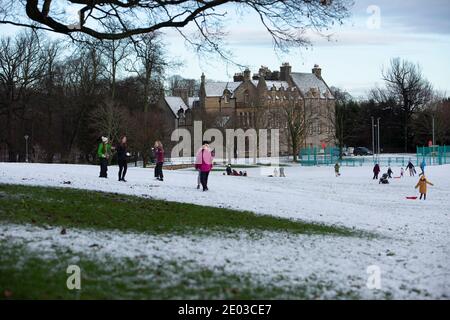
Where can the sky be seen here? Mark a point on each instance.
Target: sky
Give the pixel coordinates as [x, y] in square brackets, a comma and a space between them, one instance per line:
[351, 58]
[416, 30]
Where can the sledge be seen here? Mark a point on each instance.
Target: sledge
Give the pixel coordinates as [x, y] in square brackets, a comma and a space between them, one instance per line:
[397, 177]
[411, 198]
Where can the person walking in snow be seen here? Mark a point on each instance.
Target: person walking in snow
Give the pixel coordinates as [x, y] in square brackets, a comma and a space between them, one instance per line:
[390, 173]
[376, 171]
[422, 167]
[159, 159]
[402, 172]
[410, 167]
[336, 169]
[104, 152]
[204, 163]
[422, 185]
[122, 158]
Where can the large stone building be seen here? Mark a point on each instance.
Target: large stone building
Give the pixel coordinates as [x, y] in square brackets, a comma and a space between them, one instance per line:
[262, 101]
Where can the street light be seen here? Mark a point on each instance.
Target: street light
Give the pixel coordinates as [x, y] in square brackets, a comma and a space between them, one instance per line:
[378, 124]
[373, 137]
[26, 147]
[432, 117]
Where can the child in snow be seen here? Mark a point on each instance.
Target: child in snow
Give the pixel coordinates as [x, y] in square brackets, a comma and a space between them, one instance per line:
[422, 185]
[228, 170]
[390, 173]
[384, 179]
[336, 169]
[282, 173]
[204, 163]
[159, 157]
[103, 152]
[401, 172]
[376, 171]
[422, 167]
[411, 169]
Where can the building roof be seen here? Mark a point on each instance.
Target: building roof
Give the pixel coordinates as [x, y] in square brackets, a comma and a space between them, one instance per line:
[306, 81]
[216, 89]
[271, 83]
[191, 101]
[175, 103]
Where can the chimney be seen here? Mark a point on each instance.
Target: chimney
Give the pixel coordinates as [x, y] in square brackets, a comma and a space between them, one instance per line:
[285, 71]
[247, 74]
[317, 71]
[238, 77]
[202, 78]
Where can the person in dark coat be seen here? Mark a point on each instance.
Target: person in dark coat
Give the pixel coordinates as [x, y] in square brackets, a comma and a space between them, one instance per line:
[411, 169]
[390, 173]
[159, 159]
[229, 170]
[122, 158]
[376, 171]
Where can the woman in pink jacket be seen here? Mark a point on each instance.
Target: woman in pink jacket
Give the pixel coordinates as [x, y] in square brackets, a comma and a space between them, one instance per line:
[159, 160]
[204, 163]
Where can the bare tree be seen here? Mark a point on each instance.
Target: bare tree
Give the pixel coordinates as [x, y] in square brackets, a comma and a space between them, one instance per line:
[285, 20]
[297, 123]
[114, 51]
[149, 66]
[109, 119]
[336, 116]
[406, 85]
[21, 66]
[82, 86]
[437, 111]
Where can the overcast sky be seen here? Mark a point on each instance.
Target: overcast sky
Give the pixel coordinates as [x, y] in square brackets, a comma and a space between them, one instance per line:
[351, 59]
[416, 30]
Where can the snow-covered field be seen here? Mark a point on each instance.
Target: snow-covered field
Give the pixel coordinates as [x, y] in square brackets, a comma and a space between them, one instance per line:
[413, 251]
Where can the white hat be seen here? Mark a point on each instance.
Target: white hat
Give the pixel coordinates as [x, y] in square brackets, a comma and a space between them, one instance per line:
[104, 139]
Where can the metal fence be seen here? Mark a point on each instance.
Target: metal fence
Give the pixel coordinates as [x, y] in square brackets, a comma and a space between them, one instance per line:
[315, 156]
[434, 155]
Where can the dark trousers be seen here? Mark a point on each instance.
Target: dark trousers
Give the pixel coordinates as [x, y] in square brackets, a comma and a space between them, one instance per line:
[122, 169]
[103, 168]
[204, 179]
[158, 171]
[375, 175]
[424, 196]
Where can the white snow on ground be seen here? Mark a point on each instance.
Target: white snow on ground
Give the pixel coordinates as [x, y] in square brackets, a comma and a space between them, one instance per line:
[413, 253]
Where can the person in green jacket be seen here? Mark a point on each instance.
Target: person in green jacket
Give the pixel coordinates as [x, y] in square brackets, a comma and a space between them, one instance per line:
[336, 169]
[103, 152]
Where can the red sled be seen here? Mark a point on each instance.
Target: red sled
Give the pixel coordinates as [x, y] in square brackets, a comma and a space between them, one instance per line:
[411, 198]
[397, 177]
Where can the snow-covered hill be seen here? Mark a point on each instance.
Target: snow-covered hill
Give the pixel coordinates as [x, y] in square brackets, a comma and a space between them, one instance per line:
[413, 254]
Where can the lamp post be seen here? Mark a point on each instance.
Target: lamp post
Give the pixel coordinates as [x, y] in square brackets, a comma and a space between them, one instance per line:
[378, 141]
[26, 147]
[373, 137]
[432, 117]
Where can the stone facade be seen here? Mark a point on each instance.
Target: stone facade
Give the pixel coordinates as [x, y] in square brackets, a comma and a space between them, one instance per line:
[261, 100]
